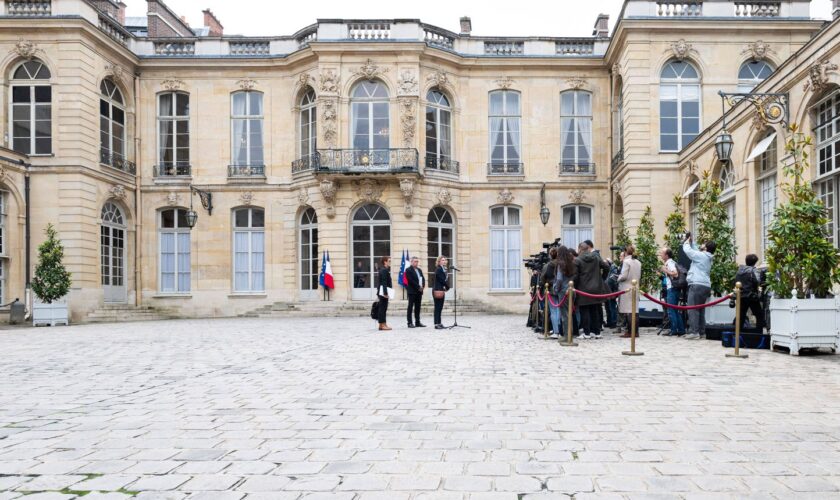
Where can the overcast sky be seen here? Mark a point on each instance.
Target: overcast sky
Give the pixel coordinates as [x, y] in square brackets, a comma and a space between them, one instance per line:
[530, 18]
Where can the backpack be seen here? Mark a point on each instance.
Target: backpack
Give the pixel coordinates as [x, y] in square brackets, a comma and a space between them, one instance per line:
[749, 283]
[560, 284]
[680, 282]
[374, 310]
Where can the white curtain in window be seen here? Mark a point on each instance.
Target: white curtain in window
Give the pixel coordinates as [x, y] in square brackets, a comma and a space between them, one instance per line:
[240, 142]
[514, 258]
[768, 206]
[249, 261]
[183, 262]
[513, 146]
[258, 261]
[240, 261]
[497, 243]
[167, 262]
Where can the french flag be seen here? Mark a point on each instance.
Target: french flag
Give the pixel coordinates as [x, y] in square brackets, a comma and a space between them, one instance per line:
[401, 279]
[326, 277]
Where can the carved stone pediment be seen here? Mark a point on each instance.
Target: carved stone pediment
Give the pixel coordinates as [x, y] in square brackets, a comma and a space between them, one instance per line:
[758, 50]
[26, 49]
[368, 190]
[444, 196]
[505, 82]
[246, 84]
[369, 70]
[117, 192]
[505, 196]
[681, 49]
[172, 83]
[576, 82]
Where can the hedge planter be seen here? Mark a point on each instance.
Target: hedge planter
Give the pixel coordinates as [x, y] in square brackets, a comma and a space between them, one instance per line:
[805, 324]
[50, 314]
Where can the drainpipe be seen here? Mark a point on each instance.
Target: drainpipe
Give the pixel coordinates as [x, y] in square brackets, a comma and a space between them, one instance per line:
[28, 238]
[138, 213]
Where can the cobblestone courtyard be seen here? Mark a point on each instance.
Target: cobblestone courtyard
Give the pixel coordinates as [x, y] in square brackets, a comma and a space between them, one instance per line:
[330, 408]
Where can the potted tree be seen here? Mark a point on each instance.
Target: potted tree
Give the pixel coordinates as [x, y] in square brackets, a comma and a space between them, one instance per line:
[675, 226]
[713, 224]
[646, 253]
[51, 283]
[802, 262]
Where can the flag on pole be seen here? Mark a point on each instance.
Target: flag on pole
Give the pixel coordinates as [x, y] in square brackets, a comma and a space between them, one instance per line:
[401, 278]
[329, 282]
[322, 276]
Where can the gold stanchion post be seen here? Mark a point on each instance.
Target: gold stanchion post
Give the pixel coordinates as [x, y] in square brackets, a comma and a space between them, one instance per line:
[634, 302]
[545, 313]
[570, 303]
[737, 353]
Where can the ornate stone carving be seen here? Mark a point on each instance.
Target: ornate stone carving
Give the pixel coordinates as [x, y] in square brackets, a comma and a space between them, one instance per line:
[681, 49]
[576, 82]
[818, 76]
[444, 196]
[247, 84]
[329, 189]
[116, 71]
[173, 199]
[26, 49]
[758, 122]
[328, 120]
[505, 82]
[368, 190]
[438, 78]
[505, 196]
[577, 196]
[246, 198]
[407, 83]
[369, 70]
[616, 69]
[3, 173]
[408, 120]
[303, 197]
[172, 83]
[407, 186]
[117, 192]
[758, 50]
[329, 81]
[305, 80]
[692, 167]
[616, 187]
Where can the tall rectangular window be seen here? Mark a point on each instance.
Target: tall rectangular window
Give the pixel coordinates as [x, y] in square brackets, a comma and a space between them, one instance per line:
[247, 128]
[31, 113]
[505, 248]
[249, 250]
[174, 236]
[505, 118]
[575, 130]
[174, 133]
[828, 159]
[679, 105]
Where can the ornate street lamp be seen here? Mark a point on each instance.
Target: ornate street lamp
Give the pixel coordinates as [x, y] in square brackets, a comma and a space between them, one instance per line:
[545, 213]
[206, 201]
[772, 108]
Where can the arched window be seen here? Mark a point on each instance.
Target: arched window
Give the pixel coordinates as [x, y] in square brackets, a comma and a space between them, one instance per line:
[246, 117]
[505, 248]
[112, 253]
[174, 240]
[173, 134]
[111, 124]
[766, 165]
[371, 240]
[679, 105]
[751, 74]
[31, 112]
[248, 250]
[440, 239]
[309, 269]
[505, 118]
[726, 180]
[827, 129]
[308, 127]
[577, 225]
[576, 131]
[438, 131]
[369, 118]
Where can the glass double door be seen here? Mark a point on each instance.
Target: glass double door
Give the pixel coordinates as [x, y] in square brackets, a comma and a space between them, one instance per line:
[113, 263]
[371, 242]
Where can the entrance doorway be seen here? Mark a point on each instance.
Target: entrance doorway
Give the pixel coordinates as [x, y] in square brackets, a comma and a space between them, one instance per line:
[371, 230]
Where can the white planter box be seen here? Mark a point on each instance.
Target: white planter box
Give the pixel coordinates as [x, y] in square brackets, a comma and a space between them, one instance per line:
[648, 305]
[805, 323]
[50, 314]
[720, 314]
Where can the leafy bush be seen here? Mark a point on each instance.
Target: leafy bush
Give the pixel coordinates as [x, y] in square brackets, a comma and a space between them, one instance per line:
[675, 226]
[713, 225]
[51, 280]
[646, 253]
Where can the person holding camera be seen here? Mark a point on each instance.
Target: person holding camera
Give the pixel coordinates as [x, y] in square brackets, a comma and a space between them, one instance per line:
[588, 268]
[699, 284]
[750, 279]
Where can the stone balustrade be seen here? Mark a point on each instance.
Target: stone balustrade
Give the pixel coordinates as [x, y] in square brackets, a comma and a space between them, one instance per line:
[250, 48]
[576, 47]
[113, 29]
[673, 8]
[436, 37]
[757, 9]
[174, 48]
[504, 47]
[370, 30]
[29, 8]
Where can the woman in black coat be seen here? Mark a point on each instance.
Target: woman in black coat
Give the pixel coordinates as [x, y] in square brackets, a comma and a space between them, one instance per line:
[384, 284]
[440, 286]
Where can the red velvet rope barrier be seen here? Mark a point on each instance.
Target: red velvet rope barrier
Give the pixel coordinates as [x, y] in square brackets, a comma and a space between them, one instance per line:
[541, 297]
[565, 296]
[687, 308]
[607, 296]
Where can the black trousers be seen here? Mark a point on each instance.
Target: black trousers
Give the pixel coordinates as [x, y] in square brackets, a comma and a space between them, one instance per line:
[383, 310]
[438, 310]
[589, 319]
[413, 305]
[754, 305]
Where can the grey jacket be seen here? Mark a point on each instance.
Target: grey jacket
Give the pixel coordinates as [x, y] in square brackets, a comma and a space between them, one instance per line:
[701, 266]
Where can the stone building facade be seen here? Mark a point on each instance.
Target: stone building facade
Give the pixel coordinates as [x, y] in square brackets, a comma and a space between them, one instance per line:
[361, 139]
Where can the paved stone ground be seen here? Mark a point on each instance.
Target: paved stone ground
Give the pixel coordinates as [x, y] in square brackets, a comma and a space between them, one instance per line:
[331, 409]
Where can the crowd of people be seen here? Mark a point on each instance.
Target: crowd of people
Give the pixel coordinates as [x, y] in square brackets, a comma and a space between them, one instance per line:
[593, 275]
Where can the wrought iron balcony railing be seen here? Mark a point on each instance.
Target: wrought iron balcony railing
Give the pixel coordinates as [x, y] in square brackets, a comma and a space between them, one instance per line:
[505, 168]
[117, 161]
[173, 169]
[309, 162]
[246, 170]
[353, 161]
[577, 168]
[442, 164]
[618, 158]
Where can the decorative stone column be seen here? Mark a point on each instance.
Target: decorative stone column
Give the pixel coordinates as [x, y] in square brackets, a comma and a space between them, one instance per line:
[407, 92]
[329, 84]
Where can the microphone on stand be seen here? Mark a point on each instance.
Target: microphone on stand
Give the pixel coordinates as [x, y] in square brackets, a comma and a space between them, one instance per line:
[455, 268]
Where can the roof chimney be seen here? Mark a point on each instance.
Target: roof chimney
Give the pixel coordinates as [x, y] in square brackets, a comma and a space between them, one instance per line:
[212, 22]
[466, 26]
[121, 13]
[602, 26]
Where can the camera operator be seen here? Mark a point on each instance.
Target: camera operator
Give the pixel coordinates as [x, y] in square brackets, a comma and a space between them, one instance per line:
[699, 284]
[751, 284]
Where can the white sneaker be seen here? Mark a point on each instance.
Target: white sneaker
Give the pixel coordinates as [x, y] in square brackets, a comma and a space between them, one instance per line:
[692, 336]
[584, 336]
[553, 336]
[597, 336]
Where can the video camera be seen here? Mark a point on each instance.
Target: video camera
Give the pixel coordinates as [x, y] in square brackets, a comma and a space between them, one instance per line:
[537, 261]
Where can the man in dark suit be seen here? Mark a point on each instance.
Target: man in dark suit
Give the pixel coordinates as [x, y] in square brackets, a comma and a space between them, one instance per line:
[416, 284]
